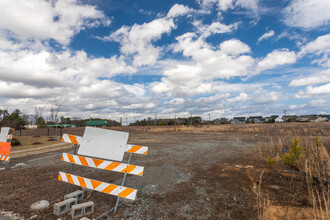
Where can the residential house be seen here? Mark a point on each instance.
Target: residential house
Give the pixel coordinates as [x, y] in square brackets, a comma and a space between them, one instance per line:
[240, 119]
[321, 119]
[306, 118]
[221, 121]
[259, 120]
[279, 120]
[289, 118]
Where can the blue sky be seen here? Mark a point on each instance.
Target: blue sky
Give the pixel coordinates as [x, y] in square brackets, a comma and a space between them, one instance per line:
[134, 59]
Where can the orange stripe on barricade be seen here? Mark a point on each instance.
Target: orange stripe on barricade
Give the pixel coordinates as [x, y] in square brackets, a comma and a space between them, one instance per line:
[108, 188]
[128, 169]
[103, 164]
[126, 192]
[81, 181]
[134, 149]
[73, 139]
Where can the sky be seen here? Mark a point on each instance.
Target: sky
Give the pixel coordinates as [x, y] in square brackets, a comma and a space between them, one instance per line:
[138, 58]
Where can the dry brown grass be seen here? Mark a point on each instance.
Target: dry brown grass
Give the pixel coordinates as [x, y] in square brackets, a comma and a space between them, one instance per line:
[317, 178]
[288, 129]
[291, 129]
[314, 164]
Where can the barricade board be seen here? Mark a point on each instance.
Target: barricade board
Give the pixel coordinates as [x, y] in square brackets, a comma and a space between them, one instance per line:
[103, 164]
[103, 143]
[4, 134]
[136, 149]
[96, 185]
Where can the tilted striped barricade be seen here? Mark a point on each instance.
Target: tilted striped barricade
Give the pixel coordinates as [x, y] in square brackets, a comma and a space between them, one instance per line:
[108, 188]
[5, 145]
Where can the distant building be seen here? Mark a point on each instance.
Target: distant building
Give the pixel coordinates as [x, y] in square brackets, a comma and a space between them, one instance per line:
[240, 119]
[325, 116]
[254, 117]
[31, 126]
[236, 121]
[321, 119]
[279, 120]
[221, 121]
[259, 120]
[289, 118]
[306, 118]
[97, 123]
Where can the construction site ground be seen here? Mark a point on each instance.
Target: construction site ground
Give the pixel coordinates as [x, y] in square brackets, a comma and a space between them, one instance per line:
[188, 175]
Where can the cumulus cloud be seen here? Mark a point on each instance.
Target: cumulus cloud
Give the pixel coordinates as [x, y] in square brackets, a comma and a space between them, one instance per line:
[307, 14]
[234, 47]
[319, 48]
[137, 40]
[276, 58]
[318, 78]
[62, 19]
[314, 91]
[266, 35]
[226, 61]
[214, 28]
[178, 10]
[48, 69]
[241, 98]
[224, 5]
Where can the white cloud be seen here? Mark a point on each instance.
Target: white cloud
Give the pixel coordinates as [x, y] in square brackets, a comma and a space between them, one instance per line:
[234, 47]
[266, 35]
[214, 28]
[307, 14]
[318, 78]
[264, 97]
[43, 20]
[57, 69]
[191, 78]
[314, 91]
[319, 102]
[294, 107]
[178, 10]
[208, 63]
[241, 98]
[276, 58]
[137, 40]
[318, 48]
[224, 5]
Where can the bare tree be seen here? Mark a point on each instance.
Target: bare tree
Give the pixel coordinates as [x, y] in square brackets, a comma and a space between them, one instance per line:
[38, 111]
[54, 110]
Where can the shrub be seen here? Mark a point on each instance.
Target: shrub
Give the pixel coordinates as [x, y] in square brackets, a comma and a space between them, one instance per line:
[293, 155]
[15, 141]
[270, 161]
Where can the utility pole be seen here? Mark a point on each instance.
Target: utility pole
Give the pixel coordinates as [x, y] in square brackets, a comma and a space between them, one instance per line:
[175, 119]
[209, 118]
[191, 119]
[155, 119]
[126, 122]
[121, 121]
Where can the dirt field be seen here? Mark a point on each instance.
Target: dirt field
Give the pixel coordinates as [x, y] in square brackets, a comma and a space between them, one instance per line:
[193, 173]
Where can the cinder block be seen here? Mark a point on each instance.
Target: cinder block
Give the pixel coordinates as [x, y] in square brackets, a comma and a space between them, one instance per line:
[82, 209]
[79, 195]
[85, 218]
[64, 206]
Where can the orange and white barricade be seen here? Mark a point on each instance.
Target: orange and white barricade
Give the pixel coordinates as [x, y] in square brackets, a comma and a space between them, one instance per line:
[5, 145]
[98, 149]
